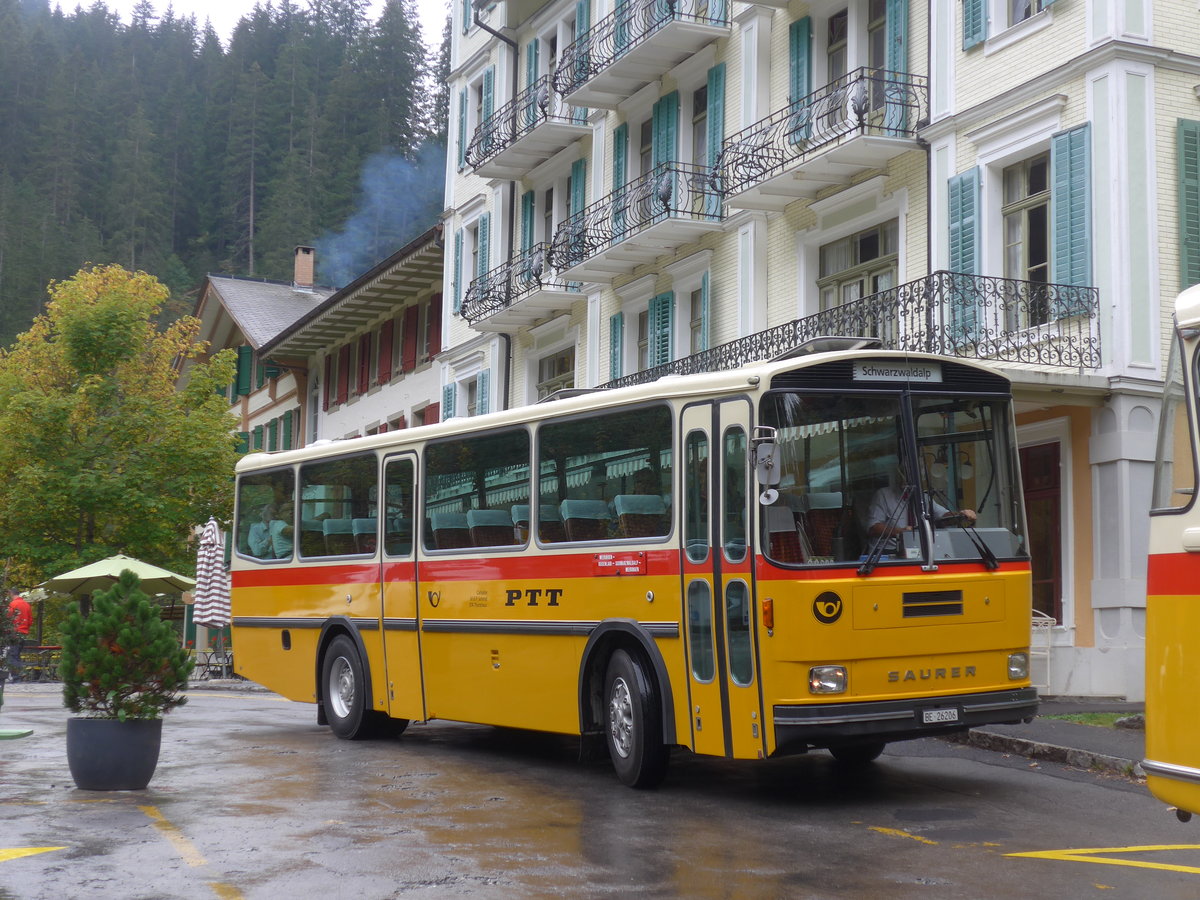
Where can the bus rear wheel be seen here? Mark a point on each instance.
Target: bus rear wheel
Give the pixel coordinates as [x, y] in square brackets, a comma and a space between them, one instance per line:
[857, 754]
[345, 691]
[633, 723]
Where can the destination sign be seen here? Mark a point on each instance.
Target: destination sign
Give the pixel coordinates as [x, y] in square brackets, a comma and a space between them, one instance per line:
[884, 370]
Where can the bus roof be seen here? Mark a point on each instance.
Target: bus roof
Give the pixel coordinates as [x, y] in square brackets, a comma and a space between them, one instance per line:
[752, 377]
[1187, 307]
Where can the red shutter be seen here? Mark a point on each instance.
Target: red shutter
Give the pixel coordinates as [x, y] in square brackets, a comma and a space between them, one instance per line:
[384, 375]
[431, 414]
[435, 325]
[328, 377]
[408, 358]
[343, 385]
[364, 363]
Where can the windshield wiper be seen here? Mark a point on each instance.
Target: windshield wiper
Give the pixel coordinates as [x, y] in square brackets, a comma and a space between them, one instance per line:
[986, 556]
[872, 560]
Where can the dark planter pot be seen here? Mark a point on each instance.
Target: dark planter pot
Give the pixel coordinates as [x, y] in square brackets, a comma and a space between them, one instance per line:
[111, 755]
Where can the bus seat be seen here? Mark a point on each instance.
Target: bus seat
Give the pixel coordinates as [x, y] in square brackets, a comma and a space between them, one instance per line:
[366, 534]
[490, 528]
[641, 515]
[339, 536]
[550, 525]
[785, 542]
[312, 538]
[398, 539]
[450, 530]
[585, 520]
[824, 516]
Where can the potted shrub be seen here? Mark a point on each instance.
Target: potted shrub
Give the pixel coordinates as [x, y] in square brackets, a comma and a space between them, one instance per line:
[122, 668]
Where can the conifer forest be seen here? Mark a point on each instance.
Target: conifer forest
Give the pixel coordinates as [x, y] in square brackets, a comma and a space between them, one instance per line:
[159, 146]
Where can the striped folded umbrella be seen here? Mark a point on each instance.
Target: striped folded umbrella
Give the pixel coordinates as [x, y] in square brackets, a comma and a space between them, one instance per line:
[211, 605]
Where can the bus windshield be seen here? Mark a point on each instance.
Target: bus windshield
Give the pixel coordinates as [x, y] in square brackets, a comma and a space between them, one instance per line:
[861, 472]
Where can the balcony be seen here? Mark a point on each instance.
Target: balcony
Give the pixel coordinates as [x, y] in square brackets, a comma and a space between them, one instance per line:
[671, 205]
[518, 293]
[1001, 320]
[859, 122]
[529, 130]
[636, 45]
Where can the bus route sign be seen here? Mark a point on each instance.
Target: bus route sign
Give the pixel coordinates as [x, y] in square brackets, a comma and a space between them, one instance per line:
[629, 563]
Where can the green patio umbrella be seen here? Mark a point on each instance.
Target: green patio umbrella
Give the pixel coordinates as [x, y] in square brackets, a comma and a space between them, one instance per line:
[100, 575]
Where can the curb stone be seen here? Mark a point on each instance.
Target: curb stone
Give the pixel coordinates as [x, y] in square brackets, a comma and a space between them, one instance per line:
[1071, 756]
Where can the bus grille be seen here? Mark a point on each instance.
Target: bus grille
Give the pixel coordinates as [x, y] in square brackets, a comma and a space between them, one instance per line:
[933, 603]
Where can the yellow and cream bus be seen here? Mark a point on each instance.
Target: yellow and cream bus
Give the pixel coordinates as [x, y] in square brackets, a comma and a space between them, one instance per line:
[822, 551]
[1172, 763]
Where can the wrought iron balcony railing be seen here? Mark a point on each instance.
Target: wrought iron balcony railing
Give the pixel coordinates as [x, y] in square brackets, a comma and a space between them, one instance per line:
[967, 316]
[668, 191]
[536, 105]
[511, 282]
[863, 102]
[631, 24]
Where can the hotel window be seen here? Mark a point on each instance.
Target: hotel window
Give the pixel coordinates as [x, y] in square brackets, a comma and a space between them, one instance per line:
[556, 372]
[859, 265]
[1026, 213]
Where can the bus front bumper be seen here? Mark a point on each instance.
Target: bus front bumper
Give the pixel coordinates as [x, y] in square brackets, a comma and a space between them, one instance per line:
[801, 727]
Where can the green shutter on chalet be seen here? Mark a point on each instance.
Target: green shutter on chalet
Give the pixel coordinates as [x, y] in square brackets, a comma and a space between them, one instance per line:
[1187, 148]
[243, 442]
[616, 341]
[665, 130]
[483, 405]
[245, 367]
[457, 273]
[662, 320]
[485, 245]
[895, 112]
[715, 127]
[257, 441]
[974, 23]
[273, 435]
[1071, 206]
[462, 129]
[620, 157]
[528, 219]
[964, 254]
[449, 395]
[289, 420]
[703, 342]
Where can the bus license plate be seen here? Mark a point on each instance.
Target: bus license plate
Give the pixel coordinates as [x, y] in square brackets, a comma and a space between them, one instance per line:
[934, 716]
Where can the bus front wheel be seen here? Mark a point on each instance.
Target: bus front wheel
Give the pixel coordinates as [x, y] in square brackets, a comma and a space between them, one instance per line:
[345, 694]
[633, 723]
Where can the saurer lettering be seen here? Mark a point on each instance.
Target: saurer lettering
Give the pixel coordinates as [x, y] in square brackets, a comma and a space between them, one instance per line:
[932, 674]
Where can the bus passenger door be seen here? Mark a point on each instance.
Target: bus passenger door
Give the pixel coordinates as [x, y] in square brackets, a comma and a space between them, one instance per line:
[401, 643]
[718, 584]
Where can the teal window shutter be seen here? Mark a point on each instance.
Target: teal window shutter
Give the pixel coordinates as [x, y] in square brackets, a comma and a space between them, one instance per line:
[624, 12]
[583, 61]
[665, 129]
[531, 62]
[449, 395]
[245, 366]
[578, 186]
[715, 126]
[799, 128]
[616, 341]
[964, 254]
[974, 23]
[457, 273]
[489, 92]
[662, 317]
[620, 161]
[485, 244]
[466, 16]
[703, 312]
[485, 384]
[895, 112]
[462, 128]
[528, 219]
[1187, 141]
[1071, 207]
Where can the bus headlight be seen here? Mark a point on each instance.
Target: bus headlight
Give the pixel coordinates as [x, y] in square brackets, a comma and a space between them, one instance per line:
[1018, 666]
[827, 680]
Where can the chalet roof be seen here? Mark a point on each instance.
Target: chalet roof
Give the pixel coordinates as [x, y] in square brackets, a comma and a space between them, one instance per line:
[413, 268]
[263, 309]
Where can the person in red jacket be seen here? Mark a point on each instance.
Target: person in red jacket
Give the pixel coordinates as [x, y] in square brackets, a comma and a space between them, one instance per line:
[22, 616]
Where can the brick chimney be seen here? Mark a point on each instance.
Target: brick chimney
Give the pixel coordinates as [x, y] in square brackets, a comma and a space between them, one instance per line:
[306, 258]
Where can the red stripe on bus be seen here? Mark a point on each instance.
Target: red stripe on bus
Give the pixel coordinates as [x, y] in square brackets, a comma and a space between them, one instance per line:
[1170, 574]
[768, 572]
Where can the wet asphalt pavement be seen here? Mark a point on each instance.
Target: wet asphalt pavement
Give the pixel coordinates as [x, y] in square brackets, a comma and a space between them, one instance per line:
[252, 799]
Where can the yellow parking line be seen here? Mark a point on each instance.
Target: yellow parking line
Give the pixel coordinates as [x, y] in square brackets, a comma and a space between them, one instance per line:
[188, 851]
[896, 832]
[1088, 855]
[18, 852]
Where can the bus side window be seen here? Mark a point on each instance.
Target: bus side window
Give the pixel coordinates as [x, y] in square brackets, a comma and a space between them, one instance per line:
[264, 499]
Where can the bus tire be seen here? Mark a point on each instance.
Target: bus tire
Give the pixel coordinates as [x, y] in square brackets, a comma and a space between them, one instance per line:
[857, 754]
[633, 723]
[344, 691]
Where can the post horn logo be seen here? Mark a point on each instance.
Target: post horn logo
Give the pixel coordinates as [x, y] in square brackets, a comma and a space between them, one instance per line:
[435, 597]
[827, 607]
